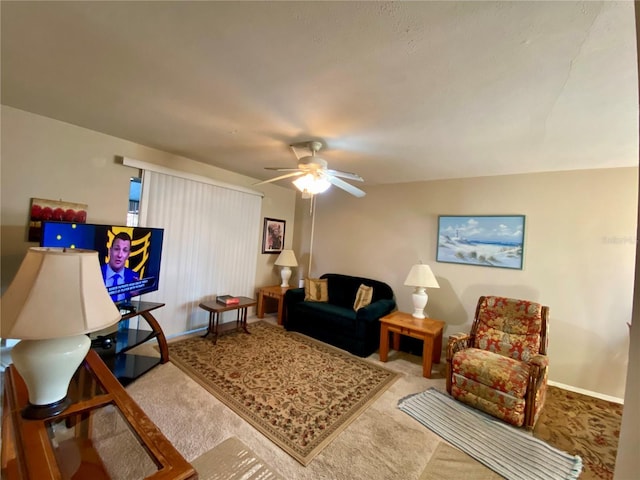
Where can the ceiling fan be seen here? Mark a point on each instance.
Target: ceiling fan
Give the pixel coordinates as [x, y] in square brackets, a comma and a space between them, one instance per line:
[313, 173]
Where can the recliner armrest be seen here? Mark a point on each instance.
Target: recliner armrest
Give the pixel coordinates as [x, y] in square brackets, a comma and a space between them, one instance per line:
[537, 374]
[457, 342]
[539, 360]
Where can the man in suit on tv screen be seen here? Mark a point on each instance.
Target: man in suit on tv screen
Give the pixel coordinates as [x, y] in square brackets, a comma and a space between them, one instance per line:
[115, 273]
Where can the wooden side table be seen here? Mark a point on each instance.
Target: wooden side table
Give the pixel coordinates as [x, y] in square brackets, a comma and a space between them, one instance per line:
[104, 434]
[275, 291]
[428, 330]
[215, 309]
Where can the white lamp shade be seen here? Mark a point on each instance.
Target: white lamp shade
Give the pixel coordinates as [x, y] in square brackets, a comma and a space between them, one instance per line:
[57, 293]
[286, 259]
[421, 275]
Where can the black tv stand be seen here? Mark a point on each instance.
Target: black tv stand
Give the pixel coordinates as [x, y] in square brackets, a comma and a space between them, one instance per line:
[128, 366]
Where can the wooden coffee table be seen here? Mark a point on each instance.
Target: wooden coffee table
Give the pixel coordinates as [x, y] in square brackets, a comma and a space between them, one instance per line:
[215, 309]
[427, 329]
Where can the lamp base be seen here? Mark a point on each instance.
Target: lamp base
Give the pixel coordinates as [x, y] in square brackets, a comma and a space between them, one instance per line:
[285, 274]
[40, 412]
[46, 366]
[419, 298]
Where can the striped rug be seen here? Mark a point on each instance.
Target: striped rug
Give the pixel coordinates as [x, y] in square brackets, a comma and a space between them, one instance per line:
[508, 451]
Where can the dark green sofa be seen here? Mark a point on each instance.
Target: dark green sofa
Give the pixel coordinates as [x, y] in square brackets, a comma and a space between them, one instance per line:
[335, 322]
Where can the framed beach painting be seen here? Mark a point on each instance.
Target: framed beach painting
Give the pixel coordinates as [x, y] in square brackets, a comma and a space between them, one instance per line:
[485, 240]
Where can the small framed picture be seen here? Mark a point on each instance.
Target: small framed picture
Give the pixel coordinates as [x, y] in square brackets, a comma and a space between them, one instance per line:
[273, 235]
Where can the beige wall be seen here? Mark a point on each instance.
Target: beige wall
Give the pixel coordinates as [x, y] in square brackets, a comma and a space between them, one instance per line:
[578, 257]
[45, 158]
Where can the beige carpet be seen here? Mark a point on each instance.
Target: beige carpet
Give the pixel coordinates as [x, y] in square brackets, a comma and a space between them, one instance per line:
[381, 443]
[300, 393]
[232, 460]
[449, 463]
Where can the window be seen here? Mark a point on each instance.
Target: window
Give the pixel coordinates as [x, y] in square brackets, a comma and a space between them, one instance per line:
[134, 202]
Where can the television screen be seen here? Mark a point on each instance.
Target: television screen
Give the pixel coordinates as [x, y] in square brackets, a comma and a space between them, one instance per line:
[130, 257]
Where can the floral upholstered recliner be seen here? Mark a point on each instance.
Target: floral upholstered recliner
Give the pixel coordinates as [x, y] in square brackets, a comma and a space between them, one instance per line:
[500, 367]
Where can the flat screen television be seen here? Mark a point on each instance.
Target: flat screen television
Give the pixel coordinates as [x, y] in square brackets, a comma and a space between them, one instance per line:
[133, 253]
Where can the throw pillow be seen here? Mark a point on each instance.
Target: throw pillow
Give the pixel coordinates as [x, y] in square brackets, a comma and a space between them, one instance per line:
[363, 297]
[315, 290]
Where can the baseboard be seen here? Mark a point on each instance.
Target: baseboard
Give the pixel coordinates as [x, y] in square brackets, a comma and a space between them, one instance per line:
[601, 396]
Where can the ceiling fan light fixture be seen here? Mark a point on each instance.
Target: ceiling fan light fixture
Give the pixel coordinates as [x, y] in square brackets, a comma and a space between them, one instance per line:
[313, 175]
[312, 184]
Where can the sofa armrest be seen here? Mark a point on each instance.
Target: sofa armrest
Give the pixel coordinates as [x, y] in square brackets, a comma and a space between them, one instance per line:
[294, 295]
[375, 310]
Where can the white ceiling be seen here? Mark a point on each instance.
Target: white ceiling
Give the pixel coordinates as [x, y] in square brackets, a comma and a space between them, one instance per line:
[398, 91]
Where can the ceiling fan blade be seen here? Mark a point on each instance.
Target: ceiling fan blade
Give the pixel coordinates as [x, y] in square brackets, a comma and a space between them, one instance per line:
[350, 176]
[294, 174]
[356, 192]
[282, 169]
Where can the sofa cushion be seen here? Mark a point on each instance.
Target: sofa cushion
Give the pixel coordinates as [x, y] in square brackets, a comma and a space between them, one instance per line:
[363, 297]
[327, 313]
[499, 373]
[315, 290]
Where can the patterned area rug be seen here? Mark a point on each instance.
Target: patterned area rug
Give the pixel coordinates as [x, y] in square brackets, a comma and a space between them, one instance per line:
[584, 426]
[297, 392]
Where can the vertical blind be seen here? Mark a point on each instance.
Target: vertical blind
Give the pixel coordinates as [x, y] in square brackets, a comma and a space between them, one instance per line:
[211, 235]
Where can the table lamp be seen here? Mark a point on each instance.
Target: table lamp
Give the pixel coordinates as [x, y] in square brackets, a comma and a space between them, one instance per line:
[286, 259]
[57, 296]
[421, 277]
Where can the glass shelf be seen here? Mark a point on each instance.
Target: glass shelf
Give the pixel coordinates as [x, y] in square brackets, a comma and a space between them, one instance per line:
[98, 444]
[127, 366]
